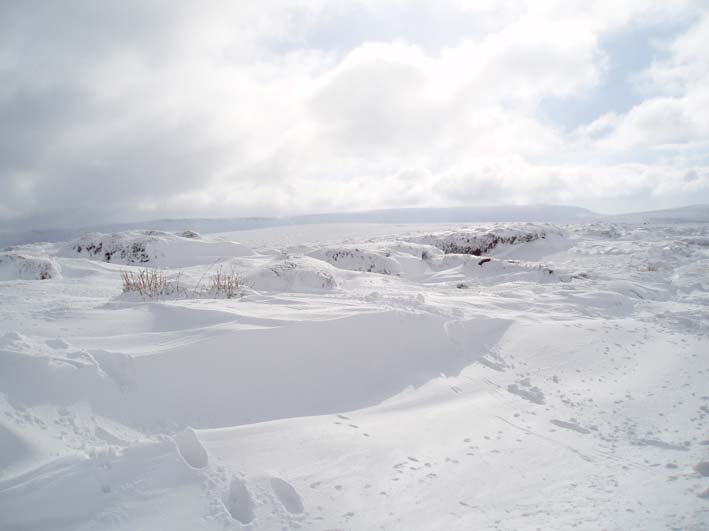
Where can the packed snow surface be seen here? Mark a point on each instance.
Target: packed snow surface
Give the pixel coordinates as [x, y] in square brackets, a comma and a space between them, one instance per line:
[363, 376]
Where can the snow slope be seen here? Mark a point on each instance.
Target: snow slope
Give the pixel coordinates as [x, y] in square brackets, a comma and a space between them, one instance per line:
[498, 376]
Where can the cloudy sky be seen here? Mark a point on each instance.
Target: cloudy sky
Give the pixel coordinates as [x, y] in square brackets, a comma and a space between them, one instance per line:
[133, 110]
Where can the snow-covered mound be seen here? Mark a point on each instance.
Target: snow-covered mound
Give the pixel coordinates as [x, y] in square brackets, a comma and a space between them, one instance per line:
[429, 263]
[292, 274]
[15, 265]
[155, 248]
[692, 284]
[602, 230]
[358, 258]
[493, 271]
[482, 240]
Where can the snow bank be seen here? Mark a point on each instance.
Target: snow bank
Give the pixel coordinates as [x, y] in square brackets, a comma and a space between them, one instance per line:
[19, 266]
[67, 494]
[359, 259]
[322, 366]
[464, 271]
[155, 248]
[692, 276]
[423, 262]
[481, 240]
[499, 271]
[293, 274]
[602, 230]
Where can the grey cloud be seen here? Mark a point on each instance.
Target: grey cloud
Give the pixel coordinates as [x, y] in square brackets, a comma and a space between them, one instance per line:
[118, 110]
[76, 150]
[75, 154]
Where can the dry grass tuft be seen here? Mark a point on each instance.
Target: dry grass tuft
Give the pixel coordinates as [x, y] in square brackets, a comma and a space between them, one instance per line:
[155, 283]
[226, 284]
[149, 283]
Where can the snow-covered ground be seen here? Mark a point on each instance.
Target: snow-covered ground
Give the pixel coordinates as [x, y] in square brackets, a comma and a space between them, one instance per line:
[367, 376]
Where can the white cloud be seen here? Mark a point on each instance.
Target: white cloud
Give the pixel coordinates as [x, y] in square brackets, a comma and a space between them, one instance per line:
[676, 109]
[275, 108]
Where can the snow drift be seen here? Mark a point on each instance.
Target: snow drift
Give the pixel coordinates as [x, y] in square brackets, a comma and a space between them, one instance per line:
[155, 248]
[19, 266]
[292, 274]
[480, 241]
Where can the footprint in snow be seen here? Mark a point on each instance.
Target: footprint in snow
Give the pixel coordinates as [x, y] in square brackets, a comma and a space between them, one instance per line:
[287, 495]
[660, 444]
[570, 426]
[57, 343]
[526, 390]
[702, 468]
[191, 449]
[239, 502]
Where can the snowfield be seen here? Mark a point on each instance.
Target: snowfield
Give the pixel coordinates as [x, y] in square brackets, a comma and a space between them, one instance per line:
[519, 376]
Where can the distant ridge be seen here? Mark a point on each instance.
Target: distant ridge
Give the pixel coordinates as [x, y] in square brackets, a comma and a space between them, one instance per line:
[536, 213]
[530, 213]
[686, 214]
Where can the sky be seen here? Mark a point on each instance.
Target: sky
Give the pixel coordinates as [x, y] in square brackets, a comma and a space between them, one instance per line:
[138, 109]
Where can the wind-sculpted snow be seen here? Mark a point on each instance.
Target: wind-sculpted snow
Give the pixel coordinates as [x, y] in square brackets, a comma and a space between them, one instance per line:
[370, 363]
[294, 274]
[481, 241]
[359, 259]
[19, 266]
[498, 376]
[154, 248]
[608, 231]
[430, 264]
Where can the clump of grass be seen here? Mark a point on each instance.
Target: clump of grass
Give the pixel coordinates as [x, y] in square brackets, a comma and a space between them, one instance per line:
[155, 283]
[149, 283]
[224, 283]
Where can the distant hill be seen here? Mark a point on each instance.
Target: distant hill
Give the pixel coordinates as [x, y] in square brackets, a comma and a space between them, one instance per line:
[532, 213]
[687, 214]
[205, 225]
[540, 213]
